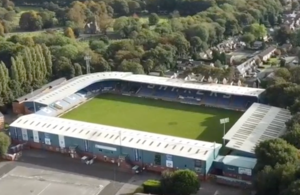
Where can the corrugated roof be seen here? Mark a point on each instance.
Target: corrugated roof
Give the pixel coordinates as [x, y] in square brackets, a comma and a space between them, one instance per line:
[176, 146]
[260, 122]
[82, 81]
[239, 161]
[38, 91]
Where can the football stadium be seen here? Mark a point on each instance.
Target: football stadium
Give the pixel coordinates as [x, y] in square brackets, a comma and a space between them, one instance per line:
[155, 122]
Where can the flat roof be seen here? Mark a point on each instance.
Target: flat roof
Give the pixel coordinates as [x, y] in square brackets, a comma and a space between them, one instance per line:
[240, 161]
[260, 122]
[193, 149]
[80, 82]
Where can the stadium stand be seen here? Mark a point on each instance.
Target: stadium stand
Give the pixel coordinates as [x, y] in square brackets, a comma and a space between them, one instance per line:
[107, 142]
[260, 122]
[18, 104]
[80, 89]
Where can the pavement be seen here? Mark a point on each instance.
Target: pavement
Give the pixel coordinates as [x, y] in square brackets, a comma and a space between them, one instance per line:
[44, 173]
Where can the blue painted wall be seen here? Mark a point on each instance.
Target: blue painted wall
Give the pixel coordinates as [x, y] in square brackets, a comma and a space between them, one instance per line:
[108, 150]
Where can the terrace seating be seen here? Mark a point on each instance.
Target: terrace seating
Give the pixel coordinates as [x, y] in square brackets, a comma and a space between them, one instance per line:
[47, 111]
[146, 91]
[224, 101]
[166, 92]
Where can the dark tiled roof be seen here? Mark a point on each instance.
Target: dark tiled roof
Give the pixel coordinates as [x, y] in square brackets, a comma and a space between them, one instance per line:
[38, 91]
[267, 51]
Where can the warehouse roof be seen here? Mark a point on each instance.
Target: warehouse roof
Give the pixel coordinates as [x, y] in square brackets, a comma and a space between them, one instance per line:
[81, 82]
[176, 146]
[260, 122]
[239, 161]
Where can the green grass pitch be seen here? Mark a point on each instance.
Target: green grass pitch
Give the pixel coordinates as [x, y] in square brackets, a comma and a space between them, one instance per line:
[156, 116]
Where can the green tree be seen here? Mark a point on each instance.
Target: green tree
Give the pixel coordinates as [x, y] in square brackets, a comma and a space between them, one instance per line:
[274, 180]
[294, 121]
[283, 73]
[186, 182]
[69, 33]
[134, 67]
[293, 136]
[153, 19]
[275, 151]
[78, 69]
[4, 143]
[48, 60]
[248, 38]
[30, 21]
[258, 30]
[293, 189]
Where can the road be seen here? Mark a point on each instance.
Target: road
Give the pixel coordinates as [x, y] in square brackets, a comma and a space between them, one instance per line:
[121, 183]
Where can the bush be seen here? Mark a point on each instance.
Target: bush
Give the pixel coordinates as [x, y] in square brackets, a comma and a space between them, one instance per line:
[152, 187]
[9, 16]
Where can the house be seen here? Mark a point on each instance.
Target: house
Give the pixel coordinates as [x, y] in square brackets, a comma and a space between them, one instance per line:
[257, 44]
[291, 61]
[92, 27]
[267, 53]
[247, 67]
[287, 47]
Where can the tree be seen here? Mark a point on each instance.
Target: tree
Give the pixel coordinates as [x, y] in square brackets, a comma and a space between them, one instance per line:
[4, 143]
[105, 22]
[258, 30]
[273, 180]
[153, 19]
[218, 64]
[134, 67]
[185, 182]
[69, 33]
[30, 21]
[293, 189]
[78, 69]
[293, 136]
[248, 38]
[294, 121]
[2, 31]
[167, 182]
[275, 151]
[283, 73]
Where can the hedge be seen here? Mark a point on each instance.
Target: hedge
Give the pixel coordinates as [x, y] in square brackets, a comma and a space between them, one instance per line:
[152, 187]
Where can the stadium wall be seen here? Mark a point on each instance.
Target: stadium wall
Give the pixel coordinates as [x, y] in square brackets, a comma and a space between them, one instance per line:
[109, 153]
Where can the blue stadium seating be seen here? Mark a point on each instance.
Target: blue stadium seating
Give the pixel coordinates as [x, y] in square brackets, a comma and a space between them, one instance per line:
[152, 91]
[47, 111]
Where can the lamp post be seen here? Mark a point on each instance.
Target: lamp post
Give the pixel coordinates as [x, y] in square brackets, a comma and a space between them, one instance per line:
[87, 59]
[223, 121]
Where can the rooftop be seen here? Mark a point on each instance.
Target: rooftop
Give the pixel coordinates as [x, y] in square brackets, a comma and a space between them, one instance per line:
[176, 146]
[80, 82]
[260, 122]
[239, 161]
[267, 51]
[39, 91]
